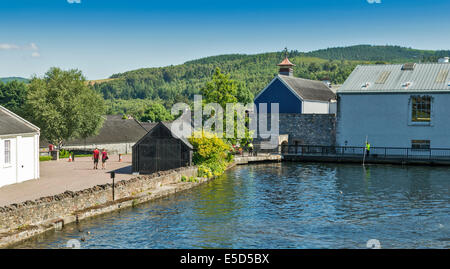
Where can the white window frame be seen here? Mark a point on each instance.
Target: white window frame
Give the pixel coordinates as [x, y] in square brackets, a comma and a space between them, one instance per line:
[410, 110]
[7, 152]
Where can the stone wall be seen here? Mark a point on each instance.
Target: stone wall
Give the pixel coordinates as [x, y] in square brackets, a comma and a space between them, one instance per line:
[55, 207]
[308, 129]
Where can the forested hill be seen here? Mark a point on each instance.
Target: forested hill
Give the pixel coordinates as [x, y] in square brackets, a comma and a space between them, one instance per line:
[8, 79]
[179, 83]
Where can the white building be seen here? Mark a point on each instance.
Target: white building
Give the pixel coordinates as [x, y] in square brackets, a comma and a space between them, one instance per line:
[19, 149]
[396, 105]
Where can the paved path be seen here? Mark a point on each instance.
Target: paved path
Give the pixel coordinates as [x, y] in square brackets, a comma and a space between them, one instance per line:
[59, 176]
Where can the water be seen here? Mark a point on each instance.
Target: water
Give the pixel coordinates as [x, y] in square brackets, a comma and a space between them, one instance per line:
[289, 205]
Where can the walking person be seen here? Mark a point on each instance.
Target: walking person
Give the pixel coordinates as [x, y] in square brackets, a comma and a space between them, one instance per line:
[104, 158]
[95, 156]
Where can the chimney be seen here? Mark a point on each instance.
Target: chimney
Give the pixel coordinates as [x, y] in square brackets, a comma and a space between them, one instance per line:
[286, 68]
[444, 60]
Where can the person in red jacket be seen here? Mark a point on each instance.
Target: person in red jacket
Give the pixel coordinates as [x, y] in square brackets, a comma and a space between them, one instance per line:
[104, 158]
[95, 156]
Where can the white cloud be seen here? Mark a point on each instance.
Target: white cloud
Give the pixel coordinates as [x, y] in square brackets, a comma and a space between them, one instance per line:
[74, 1]
[30, 47]
[5, 46]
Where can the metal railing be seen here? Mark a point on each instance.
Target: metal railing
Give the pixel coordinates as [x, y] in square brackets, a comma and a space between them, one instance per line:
[375, 152]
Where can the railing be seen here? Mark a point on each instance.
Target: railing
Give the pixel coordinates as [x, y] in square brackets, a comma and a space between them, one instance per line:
[375, 152]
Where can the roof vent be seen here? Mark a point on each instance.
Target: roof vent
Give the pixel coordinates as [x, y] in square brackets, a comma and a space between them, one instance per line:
[365, 85]
[406, 85]
[409, 66]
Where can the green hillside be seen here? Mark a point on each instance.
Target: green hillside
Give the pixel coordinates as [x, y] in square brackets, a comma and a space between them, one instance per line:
[8, 79]
[180, 82]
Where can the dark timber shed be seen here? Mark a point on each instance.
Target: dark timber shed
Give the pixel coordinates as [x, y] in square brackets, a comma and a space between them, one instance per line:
[160, 149]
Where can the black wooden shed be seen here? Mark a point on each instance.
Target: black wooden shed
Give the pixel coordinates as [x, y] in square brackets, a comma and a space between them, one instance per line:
[160, 149]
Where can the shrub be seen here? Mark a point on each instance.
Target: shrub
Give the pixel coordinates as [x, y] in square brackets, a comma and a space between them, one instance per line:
[211, 154]
[45, 158]
[183, 179]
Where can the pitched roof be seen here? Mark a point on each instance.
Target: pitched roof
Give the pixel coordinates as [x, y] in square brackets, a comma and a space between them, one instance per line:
[310, 90]
[11, 123]
[425, 77]
[114, 130]
[286, 62]
[166, 125]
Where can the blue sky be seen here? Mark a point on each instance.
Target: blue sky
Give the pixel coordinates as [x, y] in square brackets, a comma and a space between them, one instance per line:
[103, 37]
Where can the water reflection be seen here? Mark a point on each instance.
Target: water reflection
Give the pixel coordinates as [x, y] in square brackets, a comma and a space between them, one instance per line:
[287, 205]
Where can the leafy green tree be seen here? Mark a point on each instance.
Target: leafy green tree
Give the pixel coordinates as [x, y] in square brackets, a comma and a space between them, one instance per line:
[221, 89]
[157, 113]
[13, 95]
[63, 106]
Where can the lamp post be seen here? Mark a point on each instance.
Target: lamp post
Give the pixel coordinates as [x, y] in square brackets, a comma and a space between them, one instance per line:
[113, 175]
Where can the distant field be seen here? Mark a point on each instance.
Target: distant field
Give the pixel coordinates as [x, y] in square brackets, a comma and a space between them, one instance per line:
[99, 81]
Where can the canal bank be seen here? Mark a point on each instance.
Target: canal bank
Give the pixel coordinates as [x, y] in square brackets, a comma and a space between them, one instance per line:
[21, 221]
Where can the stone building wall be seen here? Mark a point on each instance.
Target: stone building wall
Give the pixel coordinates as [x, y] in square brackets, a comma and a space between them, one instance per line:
[307, 129]
[61, 205]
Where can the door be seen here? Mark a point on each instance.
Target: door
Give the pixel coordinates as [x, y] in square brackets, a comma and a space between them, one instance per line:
[25, 158]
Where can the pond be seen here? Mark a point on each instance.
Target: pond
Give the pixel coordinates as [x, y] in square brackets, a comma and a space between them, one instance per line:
[282, 205]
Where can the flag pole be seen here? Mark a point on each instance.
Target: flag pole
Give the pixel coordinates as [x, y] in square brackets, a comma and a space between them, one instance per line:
[365, 149]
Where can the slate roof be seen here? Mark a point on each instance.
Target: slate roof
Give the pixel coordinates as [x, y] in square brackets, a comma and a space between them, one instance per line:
[114, 130]
[11, 124]
[424, 77]
[309, 90]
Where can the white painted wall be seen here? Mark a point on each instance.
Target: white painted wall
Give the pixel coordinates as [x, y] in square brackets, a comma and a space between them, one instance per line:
[24, 159]
[385, 118]
[313, 107]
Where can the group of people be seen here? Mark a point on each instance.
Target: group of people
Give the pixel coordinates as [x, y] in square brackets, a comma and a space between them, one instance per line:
[96, 155]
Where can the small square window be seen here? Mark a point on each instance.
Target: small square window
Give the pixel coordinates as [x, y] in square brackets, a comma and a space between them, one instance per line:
[420, 144]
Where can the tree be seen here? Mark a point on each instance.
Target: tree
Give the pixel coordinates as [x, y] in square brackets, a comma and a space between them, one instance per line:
[13, 95]
[156, 113]
[63, 106]
[221, 89]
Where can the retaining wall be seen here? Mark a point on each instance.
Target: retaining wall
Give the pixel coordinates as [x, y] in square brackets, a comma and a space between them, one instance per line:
[51, 208]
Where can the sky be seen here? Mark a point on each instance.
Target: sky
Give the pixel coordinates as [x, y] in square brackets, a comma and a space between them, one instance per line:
[104, 37]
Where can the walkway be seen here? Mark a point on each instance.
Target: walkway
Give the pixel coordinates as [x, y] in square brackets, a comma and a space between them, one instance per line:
[60, 176]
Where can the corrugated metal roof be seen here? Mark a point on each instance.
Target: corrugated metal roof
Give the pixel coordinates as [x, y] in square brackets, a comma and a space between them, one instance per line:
[310, 90]
[12, 124]
[423, 78]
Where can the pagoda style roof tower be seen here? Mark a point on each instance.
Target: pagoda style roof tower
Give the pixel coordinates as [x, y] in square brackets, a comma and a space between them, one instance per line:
[286, 66]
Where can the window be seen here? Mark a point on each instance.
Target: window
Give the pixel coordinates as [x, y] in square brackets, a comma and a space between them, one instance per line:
[421, 109]
[7, 151]
[420, 144]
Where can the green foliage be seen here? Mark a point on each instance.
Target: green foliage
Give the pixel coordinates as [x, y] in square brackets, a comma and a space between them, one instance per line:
[183, 178]
[156, 113]
[13, 95]
[179, 83]
[45, 158]
[64, 153]
[140, 109]
[210, 154]
[63, 106]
